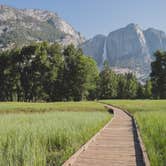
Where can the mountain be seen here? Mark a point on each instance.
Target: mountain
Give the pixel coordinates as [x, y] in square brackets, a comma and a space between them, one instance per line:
[94, 47]
[128, 49]
[20, 27]
[155, 39]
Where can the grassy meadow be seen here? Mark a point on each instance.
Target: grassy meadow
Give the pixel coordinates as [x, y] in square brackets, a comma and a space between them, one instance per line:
[49, 133]
[24, 107]
[33, 134]
[151, 119]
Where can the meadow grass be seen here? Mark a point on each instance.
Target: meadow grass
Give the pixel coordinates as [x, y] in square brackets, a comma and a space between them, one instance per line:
[47, 138]
[138, 105]
[18, 107]
[150, 116]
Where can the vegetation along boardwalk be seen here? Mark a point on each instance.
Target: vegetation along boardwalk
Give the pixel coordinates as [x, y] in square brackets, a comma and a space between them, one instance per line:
[116, 144]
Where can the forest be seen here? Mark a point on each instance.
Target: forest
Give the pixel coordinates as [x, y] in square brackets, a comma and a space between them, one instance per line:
[51, 72]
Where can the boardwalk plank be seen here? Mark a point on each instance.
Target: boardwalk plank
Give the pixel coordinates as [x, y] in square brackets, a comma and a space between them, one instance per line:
[115, 145]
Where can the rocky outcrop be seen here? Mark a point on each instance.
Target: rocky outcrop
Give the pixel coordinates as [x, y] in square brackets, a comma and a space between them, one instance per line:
[127, 49]
[95, 48]
[155, 39]
[20, 27]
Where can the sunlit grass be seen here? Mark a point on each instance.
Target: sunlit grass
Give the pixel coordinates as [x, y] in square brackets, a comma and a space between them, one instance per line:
[153, 131]
[47, 138]
[139, 105]
[16, 107]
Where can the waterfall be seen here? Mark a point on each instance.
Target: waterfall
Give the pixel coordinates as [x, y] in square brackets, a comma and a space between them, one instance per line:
[105, 51]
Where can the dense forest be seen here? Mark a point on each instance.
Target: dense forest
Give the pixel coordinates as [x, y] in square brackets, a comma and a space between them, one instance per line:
[50, 72]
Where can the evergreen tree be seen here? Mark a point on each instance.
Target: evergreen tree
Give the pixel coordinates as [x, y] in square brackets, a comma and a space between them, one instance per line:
[158, 75]
[140, 91]
[53, 75]
[49, 72]
[148, 89]
[131, 86]
[4, 93]
[10, 85]
[107, 85]
[121, 89]
[79, 76]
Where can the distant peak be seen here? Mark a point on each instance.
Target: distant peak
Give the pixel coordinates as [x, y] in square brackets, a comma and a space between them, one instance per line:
[132, 25]
[100, 36]
[151, 29]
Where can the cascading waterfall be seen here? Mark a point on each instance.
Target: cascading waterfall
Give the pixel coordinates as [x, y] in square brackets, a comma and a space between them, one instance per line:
[105, 51]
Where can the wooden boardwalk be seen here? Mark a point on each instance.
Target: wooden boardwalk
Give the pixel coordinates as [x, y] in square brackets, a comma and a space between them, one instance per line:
[115, 145]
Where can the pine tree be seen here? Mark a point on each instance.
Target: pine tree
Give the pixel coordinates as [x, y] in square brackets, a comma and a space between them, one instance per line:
[107, 83]
[131, 86]
[121, 89]
[158, 75]
[148, 89]
[140, 91]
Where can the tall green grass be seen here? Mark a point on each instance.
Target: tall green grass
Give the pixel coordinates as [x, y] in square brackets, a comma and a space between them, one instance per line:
[49, 133]
[138, 105]
[45, 139]
[151, 118]
[153, 130]
[18, 107]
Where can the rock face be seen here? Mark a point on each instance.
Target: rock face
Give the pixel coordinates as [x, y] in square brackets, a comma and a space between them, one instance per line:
[95, 48]
[20, 27]
[155, 39]
[127, 49]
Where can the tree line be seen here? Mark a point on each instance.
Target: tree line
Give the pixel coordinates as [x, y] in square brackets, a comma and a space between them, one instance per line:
[50, 72]
[44, 72]
[121, 86]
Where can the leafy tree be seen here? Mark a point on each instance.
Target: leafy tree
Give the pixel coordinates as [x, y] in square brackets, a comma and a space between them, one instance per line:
[140, 91]
[131, 86]
[27, 73]
[40, 67]
[53, 74]
[69, 72]
[3, 76]
[148, 89]
[79, 76]
[50, 72]
[107, 85]
[121, 88]
[87, 75]
[10, 75]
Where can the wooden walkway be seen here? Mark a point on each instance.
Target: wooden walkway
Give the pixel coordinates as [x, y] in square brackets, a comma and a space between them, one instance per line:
[115, 145]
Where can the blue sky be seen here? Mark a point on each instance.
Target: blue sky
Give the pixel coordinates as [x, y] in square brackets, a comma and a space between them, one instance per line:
[91, 17]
